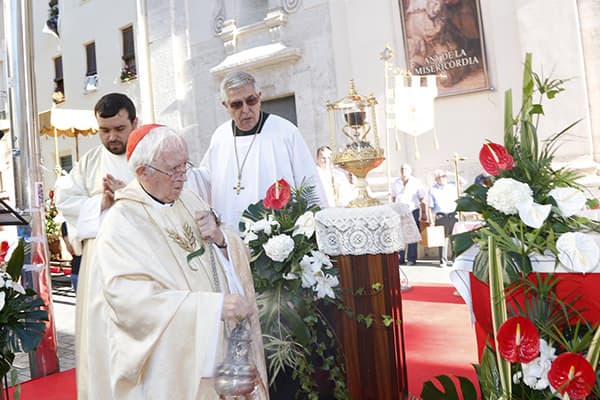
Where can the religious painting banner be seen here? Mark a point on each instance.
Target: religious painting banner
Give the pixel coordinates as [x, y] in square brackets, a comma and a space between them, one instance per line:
[445, 38]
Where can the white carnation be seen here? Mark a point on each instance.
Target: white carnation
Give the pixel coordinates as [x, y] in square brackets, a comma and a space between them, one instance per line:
[507, 194]
[279, 247]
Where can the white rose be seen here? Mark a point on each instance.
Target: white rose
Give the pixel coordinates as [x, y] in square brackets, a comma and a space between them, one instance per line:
[279, 247]
[305, 225]
[507, 194]
[534, 214]
[2, 300]
[578, 252]
[569, 200]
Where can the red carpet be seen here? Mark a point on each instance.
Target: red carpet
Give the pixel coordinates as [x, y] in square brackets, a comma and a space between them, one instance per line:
[439, 338]
[60, 386]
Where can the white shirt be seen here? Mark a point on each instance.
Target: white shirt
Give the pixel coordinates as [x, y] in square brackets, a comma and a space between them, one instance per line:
[277, 152]
[410, 194]
[442, 199]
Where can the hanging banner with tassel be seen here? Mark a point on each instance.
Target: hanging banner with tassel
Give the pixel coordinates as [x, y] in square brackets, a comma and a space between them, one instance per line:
[414, 111]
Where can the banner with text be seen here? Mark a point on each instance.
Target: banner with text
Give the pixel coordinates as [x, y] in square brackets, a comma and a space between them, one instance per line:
[445, 38]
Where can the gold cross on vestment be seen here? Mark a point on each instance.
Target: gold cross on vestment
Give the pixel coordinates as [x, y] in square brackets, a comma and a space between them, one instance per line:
[238, 188]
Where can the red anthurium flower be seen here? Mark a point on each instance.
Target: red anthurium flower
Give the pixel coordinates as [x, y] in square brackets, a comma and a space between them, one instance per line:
[571, 373]
[494, 158]
[278, 195]
[518, 340]
[3, 250]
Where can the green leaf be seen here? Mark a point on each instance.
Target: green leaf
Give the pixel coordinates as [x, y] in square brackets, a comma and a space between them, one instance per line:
[498, 305]
[449, 392]
[387, 320]
[509, 139]
[537, 109]
[15, 264]
[461, 242]
[468, 204]
[195, 253]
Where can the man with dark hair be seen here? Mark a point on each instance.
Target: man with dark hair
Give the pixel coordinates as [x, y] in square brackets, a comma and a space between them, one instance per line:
[87, 192]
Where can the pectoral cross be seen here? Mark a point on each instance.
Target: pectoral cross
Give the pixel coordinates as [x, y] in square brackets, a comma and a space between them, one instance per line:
[238, 188]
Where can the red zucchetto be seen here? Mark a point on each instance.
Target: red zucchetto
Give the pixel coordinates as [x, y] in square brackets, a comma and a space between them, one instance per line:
[136, 135]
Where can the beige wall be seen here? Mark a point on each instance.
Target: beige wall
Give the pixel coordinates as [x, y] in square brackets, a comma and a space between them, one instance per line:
[82, 21]
[341, 40]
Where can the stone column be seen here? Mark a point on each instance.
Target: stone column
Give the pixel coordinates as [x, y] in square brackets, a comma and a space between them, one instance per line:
[589, 18]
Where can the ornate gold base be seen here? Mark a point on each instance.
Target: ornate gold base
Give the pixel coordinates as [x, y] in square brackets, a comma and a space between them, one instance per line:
[363, 200]
[360, 167]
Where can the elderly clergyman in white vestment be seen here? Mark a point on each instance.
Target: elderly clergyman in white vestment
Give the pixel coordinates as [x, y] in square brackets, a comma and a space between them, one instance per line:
[248, 153]
[167, 284]
[86, 194]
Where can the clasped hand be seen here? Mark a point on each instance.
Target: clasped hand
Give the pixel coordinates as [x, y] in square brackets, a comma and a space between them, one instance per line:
[110, 185]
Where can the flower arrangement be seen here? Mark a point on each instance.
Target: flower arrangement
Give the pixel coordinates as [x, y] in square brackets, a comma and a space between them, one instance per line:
[530, 208]
[294, 282]
[52, 229]
[543, 349]
[541, 346]
[128, 73]
[21, 316]
[53, 233]
[58, 96]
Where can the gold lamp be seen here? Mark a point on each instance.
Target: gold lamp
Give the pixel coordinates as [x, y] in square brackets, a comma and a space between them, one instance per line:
[352, 122]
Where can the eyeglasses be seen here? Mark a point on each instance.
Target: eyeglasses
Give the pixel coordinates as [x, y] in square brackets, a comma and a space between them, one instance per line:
[176, 172]
[250, 101]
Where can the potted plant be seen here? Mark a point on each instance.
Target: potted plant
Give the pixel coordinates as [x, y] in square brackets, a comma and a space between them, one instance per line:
[52, 228]
[21, 313]
[128, 73]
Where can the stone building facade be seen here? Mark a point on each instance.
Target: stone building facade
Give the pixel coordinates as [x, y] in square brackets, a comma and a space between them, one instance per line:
[310, 49]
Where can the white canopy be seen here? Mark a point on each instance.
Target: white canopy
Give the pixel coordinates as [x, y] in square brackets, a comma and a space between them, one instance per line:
[69, 122]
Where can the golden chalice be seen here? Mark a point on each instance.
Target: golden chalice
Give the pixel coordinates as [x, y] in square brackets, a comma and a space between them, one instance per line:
[352, 151]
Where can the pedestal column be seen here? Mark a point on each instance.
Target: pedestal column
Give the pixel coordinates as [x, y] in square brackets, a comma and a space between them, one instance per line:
[366, 242]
